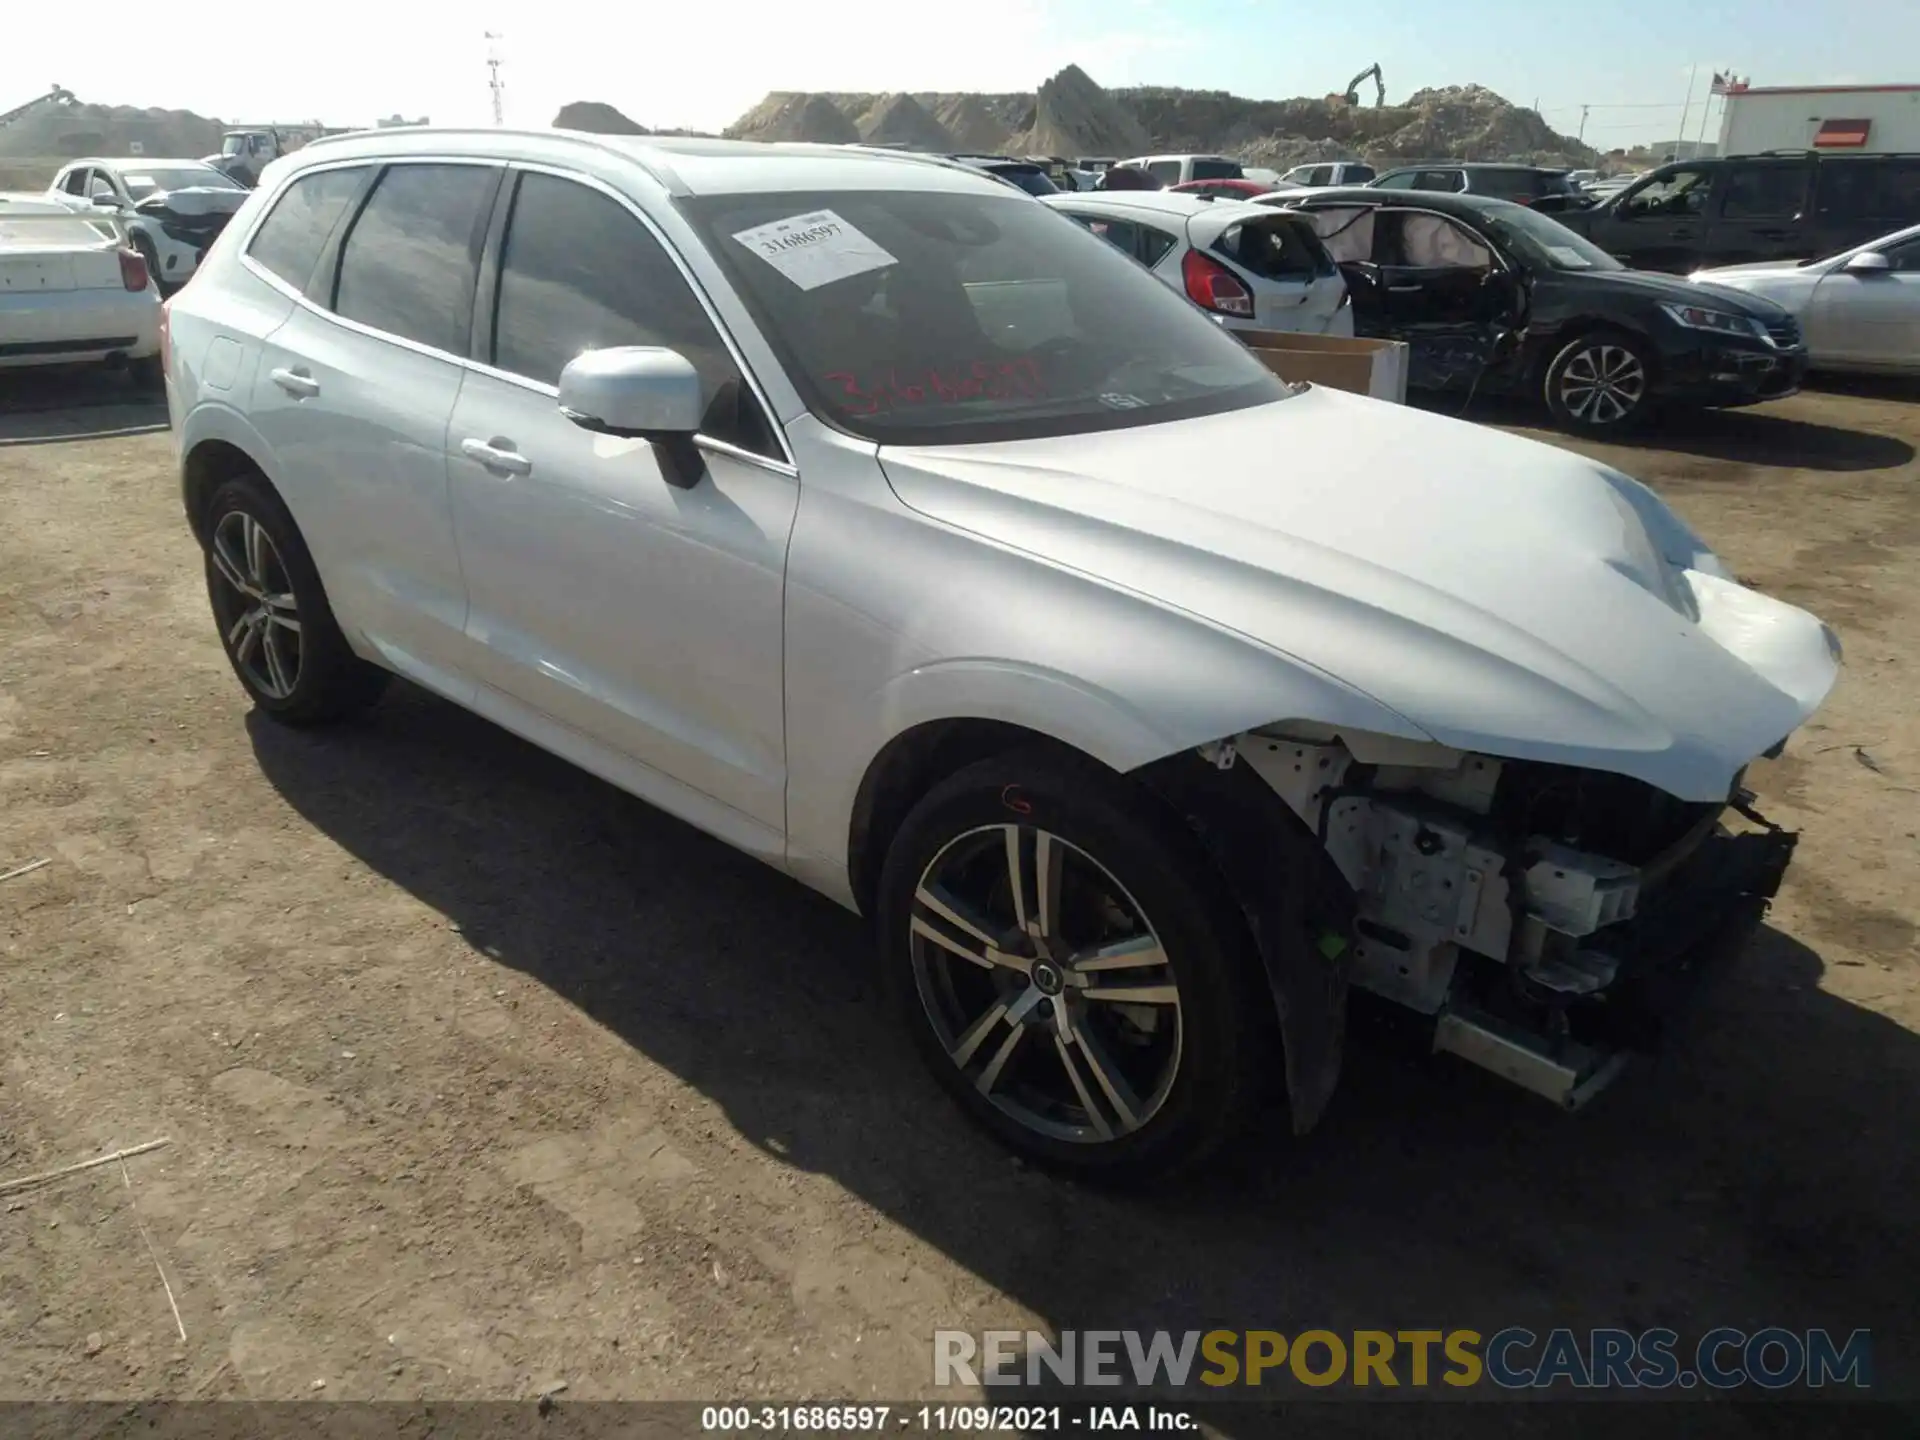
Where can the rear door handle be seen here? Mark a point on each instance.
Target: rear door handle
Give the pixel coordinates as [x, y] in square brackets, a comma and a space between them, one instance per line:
[1405, 289]
[497, 455]
[295, 382]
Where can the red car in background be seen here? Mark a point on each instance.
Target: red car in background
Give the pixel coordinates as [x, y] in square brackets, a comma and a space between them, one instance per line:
[1223, 189]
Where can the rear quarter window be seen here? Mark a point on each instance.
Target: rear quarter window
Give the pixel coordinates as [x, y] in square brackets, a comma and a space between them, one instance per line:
[1870, 189]
[289, 241]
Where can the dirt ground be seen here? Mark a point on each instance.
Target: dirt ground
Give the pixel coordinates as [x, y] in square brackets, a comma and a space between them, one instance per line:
[479, 1076]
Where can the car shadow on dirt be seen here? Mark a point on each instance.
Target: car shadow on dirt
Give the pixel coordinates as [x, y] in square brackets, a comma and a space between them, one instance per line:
[1759, 436]
[1762, 1174]
[45, 405]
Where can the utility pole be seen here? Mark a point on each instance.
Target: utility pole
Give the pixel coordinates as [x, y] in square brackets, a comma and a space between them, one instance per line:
[494, 82]
[1581, 138]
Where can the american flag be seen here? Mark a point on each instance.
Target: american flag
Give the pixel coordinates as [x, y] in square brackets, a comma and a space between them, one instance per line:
[1728, 84]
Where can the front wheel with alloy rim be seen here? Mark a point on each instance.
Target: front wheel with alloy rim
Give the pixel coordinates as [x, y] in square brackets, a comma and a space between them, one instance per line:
[1073, 972]
[1600, 383]
[273, 618]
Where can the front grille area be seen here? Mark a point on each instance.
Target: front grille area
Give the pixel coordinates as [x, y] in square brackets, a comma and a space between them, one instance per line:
[1784, 332]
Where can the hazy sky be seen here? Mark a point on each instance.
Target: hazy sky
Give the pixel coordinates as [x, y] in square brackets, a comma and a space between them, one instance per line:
[700, 64]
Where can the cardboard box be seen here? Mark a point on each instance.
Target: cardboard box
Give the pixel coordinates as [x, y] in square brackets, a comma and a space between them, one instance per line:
[1365, 367]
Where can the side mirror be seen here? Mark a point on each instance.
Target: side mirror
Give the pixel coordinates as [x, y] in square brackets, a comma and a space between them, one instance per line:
[641, 392]
[1869, 262]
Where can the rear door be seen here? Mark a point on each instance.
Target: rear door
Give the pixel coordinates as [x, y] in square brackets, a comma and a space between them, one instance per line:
[641, 615]
[354, 393]
[1760, 212]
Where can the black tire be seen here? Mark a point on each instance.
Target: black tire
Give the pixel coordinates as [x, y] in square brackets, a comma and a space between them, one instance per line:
[326, 680]
[1223, 1033]
[146, 376]
[1600, 384]
[148, 253]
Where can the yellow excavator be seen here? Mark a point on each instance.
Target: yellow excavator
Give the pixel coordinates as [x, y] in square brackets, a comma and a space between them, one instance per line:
[1351, 96]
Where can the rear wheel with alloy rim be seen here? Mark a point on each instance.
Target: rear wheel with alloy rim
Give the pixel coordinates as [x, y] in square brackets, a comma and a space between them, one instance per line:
[1072, 972]
[1600, 383]
[272, 614]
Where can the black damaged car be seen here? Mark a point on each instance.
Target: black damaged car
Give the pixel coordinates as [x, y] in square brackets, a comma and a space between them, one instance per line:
[1493, 297]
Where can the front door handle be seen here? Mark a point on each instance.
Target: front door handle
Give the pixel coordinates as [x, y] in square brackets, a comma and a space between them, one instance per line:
[1405, 289]
[497, 454]
[296, 383]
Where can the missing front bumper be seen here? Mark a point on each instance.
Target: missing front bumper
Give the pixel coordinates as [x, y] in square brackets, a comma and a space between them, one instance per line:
[1696, 922]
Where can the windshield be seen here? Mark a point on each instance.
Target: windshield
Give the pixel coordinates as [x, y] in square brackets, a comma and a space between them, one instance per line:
[920, 318]
[1542, 243]
[234, 144]
[142, 183]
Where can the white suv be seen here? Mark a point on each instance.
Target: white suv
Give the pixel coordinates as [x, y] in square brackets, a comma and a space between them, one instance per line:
[898, 531]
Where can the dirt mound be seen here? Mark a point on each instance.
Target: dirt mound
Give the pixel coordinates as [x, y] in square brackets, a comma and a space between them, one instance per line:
[1071, 115]
[596, 118]
[71, 131]
[903, 120]
[972, 124]
[795, 115]
[1074, 116]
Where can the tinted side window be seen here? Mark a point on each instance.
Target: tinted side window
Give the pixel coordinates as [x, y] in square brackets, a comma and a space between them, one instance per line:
[1167, 172]
[1397, 180]
[1439, 180]
[1320, 175]
[580, 272]
[1873, 189]
[1358, 174]
[413, 255]
[290, 239]
[1216, 170]
[1904, 257]
[1764, 192]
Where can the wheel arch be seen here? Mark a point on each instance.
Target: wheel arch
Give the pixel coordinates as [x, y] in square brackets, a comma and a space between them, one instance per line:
[216, 445]
[911, 764]
[1581, 327]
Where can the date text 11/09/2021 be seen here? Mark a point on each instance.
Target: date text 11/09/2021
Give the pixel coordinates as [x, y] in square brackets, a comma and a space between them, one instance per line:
[942, 1419]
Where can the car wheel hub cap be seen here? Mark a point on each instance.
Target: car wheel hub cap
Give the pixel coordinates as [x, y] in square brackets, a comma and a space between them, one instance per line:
[254, 604]
[1603, 384]
[1046, 983]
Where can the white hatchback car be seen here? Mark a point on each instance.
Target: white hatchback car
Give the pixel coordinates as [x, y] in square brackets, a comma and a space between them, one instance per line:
[1236, 260]
[862, 513]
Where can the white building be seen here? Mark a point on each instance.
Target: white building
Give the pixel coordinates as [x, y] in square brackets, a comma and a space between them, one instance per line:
[1846, 119]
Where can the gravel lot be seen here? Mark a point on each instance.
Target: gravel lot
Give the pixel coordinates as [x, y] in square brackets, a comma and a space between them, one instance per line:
[480, 1076]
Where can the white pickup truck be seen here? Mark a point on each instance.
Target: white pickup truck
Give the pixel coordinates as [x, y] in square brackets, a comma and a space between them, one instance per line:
[73, 291]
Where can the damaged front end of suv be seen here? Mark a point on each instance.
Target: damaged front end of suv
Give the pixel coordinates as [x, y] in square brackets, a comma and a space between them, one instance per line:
[1548, 919]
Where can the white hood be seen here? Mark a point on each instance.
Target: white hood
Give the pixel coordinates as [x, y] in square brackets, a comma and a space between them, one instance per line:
[1502, 595]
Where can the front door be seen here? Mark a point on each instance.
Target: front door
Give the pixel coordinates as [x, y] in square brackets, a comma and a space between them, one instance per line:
[1658, 225]
[640, 615]
[1761, 213]
[1436, 286]
[1869, 318]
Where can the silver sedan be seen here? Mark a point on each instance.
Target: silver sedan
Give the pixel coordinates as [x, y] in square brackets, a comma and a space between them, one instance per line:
[1860, 309]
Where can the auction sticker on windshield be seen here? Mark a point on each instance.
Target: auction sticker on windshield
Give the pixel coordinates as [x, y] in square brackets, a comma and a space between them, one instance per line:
[813, 249]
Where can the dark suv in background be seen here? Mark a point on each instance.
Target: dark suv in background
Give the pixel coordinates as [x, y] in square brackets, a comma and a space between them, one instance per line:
[1784, 205]
[1531, 185]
